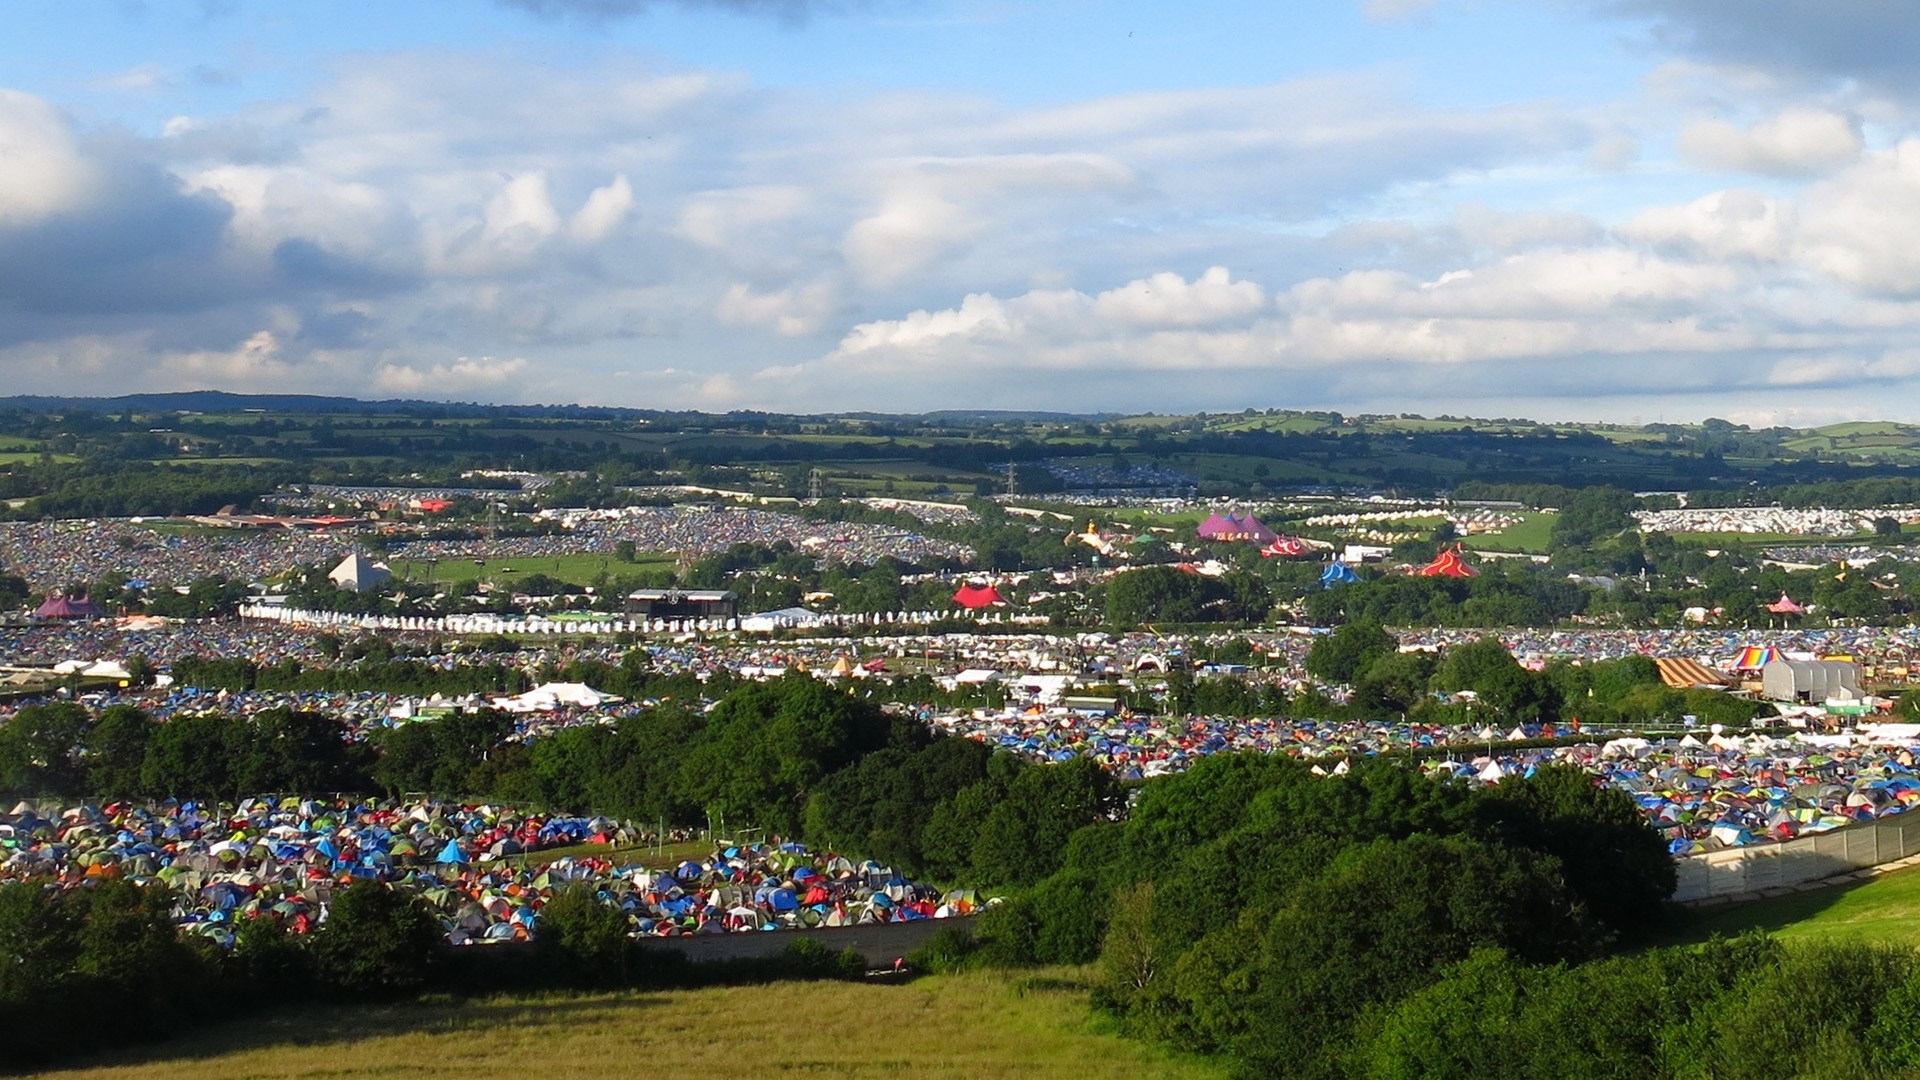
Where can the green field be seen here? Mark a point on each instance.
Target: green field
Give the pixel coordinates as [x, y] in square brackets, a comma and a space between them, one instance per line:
[578, 569]
[1534, 534]
[1036, 1025]
[1884, 909]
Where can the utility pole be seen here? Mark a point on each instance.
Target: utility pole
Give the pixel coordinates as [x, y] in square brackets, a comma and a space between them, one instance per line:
[813, 485]
[1012, 486]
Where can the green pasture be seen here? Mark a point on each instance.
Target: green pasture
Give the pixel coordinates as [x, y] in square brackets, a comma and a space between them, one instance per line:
[1880, 910]
[1297, 425]
[1534, 535]
[580, 569]
[20, 457]
[1736, 539]
[1248, 468]
[1037, 1025]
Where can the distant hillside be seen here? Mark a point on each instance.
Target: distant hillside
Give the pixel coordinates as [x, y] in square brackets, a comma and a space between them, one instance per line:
[220, 401]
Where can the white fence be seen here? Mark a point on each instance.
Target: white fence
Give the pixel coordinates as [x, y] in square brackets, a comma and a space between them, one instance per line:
[533, 624]
[1810, 858]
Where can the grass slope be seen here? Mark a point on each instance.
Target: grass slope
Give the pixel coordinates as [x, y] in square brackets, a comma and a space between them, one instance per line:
[962, 1026]
[1534, 534]
[1883, 910]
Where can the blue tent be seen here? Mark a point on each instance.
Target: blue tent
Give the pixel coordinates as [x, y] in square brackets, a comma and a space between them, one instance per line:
[452, 854]
[1338, 573]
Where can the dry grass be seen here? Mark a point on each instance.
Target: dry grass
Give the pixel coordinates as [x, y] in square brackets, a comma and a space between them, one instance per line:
[959, 1026]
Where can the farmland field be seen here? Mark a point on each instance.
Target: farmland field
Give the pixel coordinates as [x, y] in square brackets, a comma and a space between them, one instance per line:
[958, 1026]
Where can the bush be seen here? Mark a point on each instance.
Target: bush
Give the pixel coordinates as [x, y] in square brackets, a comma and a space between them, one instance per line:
[582, 941]
[807, 958]
[948, 950]
[376, 942]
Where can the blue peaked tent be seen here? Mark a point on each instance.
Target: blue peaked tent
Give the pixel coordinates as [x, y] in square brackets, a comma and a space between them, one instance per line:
[1338, 573]
[452, 854]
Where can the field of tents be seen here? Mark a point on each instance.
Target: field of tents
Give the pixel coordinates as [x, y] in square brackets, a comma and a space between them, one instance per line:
[1035, 1024]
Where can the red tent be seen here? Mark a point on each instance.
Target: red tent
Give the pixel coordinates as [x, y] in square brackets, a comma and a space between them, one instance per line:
[1286, 547]
[973, 597]
[1785, 606]
[59, 607]
[1449, 563]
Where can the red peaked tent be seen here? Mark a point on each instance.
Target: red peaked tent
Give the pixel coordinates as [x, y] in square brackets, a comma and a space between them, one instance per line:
[1215, 526]
[973, 597]
[59, 607]
[1448, 563]
[1232, 529]
[1286, 547]
[1785, 606]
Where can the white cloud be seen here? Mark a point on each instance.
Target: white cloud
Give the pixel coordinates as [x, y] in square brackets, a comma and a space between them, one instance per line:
[42, 172]
[1167, 299]
[604, 211]
[792, 312]
[1799, 141]
[1391, 10]
[449, 380]
[1863, 226]
[1731, 224]
[909, 231]
[522, 214]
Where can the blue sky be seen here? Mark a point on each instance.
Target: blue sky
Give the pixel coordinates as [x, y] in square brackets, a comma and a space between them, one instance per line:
[1561, 208]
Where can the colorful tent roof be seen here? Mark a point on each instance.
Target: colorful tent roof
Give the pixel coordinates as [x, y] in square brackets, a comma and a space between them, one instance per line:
[1449, 563]
[61, 607]
[1338, 573]
[1755, 657]
[973, 597]
[1233, 529]
[1785, 606]
[1683, 674]
[1286, 547]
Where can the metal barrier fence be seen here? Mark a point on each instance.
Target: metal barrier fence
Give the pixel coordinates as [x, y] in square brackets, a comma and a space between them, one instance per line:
[1736, 871]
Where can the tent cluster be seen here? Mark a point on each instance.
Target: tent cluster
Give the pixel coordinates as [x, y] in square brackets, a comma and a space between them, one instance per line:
[1229, 528]
[1723, 792]
[1135, 747]
[285, 858]
[780, 887]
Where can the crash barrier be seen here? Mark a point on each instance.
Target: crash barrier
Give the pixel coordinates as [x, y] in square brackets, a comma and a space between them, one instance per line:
[1758, 867]
[880, 943]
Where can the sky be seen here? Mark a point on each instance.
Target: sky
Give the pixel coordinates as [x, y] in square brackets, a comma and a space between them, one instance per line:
[1628, 210]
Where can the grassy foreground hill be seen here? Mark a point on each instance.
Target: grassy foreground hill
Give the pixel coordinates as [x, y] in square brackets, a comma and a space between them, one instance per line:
[1883, 910]
[1021, 1024]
